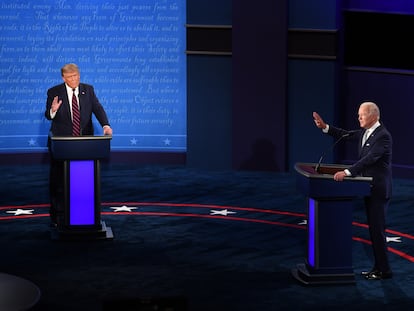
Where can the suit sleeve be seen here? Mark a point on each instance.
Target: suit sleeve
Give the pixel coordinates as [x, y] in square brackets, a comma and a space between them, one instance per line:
[98, 110]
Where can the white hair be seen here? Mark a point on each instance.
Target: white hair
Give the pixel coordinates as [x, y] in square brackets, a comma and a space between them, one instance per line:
[372, 108]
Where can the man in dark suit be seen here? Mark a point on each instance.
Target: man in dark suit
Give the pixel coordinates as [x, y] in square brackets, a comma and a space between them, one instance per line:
[375, 155]
[61, 101]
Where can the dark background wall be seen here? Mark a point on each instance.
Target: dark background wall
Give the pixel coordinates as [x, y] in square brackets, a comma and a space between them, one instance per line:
[259, 85]
[237, 101]
[209, 76]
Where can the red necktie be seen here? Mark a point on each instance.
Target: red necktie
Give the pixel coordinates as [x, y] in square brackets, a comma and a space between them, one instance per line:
[75, 116]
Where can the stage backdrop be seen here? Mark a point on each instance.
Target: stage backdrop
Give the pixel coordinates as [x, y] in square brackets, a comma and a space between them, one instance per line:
[132, 52]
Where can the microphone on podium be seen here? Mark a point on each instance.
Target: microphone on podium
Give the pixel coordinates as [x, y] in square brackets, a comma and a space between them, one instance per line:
[350, 133]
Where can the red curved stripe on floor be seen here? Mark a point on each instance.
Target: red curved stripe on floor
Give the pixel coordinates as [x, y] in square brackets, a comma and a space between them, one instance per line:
[210, 206]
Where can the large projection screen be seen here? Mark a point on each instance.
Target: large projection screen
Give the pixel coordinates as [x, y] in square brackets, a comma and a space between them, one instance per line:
[132, 52]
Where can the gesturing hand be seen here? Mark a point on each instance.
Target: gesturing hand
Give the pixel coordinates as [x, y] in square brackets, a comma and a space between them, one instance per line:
[56, 104]
[318, 120]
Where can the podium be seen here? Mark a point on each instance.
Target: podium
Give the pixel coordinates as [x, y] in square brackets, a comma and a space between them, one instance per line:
[81, 157]
[330, 205]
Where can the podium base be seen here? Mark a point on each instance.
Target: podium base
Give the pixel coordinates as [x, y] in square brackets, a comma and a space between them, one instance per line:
[302, 274]
[73, 233]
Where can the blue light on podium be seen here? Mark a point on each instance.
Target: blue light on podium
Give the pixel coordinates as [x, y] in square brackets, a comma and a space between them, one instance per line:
[311, 232]
[82, 193]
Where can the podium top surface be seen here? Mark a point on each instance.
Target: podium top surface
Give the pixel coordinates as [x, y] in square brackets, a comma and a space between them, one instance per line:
[80, 138]
[322, 185]
[326, 171]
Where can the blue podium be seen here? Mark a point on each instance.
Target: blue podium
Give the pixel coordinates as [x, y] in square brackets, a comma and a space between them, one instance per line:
[81, 186]
[330, 205]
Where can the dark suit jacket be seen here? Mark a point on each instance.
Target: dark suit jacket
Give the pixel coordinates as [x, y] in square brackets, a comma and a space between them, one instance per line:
[375, 159]
[88, 103]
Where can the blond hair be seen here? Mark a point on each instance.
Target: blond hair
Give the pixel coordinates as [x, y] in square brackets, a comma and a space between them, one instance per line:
[69, 68]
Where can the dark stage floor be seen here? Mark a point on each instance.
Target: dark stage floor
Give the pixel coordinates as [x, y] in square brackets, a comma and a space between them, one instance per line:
[194, 240]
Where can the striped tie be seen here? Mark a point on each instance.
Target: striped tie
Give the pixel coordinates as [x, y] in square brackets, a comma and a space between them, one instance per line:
[75, 116]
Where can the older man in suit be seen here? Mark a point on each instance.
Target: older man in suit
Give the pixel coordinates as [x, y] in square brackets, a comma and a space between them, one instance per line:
[375, 156]
[69, 107]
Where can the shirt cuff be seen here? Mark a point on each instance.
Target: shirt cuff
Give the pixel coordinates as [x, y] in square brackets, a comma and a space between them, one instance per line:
[347, 172]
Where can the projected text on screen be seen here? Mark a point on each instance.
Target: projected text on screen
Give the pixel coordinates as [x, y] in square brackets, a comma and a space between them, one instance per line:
[132, 52]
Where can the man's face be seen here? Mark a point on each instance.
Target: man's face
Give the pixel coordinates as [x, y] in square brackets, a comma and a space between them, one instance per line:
[366, 120]
[72, 79]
